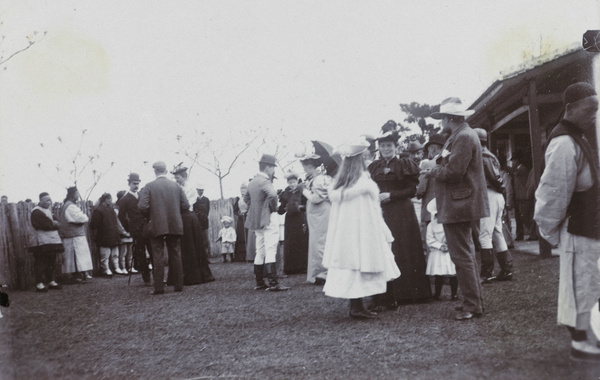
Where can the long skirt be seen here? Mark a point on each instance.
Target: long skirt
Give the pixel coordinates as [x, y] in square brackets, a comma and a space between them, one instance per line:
[193, 256]
[402, 221]
[295, 244]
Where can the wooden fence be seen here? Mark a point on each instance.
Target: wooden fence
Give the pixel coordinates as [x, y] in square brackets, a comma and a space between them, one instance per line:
[16, 262]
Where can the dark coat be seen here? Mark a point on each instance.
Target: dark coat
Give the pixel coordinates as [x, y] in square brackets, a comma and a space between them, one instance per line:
[202, 209]
[104, 223]
[163, 200]
[130, 215]
[262, 201]
[461, 191]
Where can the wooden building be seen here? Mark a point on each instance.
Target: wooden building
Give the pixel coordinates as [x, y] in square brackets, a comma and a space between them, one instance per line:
[520, 109]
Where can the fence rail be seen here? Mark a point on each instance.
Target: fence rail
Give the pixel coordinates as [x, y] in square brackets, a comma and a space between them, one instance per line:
[16, 262]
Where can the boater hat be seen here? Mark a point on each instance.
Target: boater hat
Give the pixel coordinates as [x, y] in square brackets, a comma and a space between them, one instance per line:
[452, 106]
[353, 148]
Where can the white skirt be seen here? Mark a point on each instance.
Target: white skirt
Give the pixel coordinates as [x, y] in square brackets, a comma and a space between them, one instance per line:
[440, 264]
[349, 283]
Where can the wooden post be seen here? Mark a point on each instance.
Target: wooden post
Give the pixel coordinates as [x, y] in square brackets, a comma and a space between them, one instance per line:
[535, 133]
[18, 252]
[6, 275]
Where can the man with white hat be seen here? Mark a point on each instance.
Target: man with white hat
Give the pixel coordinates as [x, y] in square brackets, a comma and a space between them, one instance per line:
[567, 211]
[264, 220]
[461, 199]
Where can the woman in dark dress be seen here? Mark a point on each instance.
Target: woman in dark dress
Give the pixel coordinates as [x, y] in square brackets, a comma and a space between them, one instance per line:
[293, 204]
[397, 179]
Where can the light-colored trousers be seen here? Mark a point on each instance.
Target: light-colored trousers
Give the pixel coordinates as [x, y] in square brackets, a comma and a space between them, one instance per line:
[267, 240]
[579, 281]
[107, 254]
[490, 228]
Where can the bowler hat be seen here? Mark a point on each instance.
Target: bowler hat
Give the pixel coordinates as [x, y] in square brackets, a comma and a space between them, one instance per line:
[437, 139]
[133, 177]
[268, 159]
[452, 106]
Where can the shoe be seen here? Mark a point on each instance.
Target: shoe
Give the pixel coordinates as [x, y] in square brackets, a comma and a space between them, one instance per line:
[54, 286]
[376, 308]
[88, 277]
[41, 288]
[133, 271]
[157, 292]
[488, 280]
[319, 281]
[363, 314]
[584, 351]
[505, 277]
[277, 288]
[261, 287]
[119, 271]
[464, 315]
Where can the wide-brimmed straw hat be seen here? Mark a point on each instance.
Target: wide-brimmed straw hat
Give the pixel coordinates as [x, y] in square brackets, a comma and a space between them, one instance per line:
[353, 148]
[452, 106]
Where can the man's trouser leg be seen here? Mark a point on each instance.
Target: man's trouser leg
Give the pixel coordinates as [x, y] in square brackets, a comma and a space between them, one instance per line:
[462, 252]
[175, 264]
[158, 262]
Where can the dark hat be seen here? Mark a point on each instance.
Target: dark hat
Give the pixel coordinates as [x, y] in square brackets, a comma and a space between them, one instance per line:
[159, 165]
[104, 197]
[482, 134]
[578, 91]
[268, 159]
[71, 191]
[120, 194]
[414, 146]
[389, 126]
[437, 139]
[179, 168]
[133, 177]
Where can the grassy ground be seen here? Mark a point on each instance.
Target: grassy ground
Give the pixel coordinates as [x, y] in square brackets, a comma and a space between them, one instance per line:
[106, 329]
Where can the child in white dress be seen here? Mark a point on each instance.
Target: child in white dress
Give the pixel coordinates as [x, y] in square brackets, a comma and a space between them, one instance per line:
[439, 263]
[227, 236]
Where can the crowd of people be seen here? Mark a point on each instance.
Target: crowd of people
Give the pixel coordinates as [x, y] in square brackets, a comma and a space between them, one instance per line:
[351, 225]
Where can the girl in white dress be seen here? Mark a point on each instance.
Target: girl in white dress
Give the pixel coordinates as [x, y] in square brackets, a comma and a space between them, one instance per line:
[439, 263]
[357, 252]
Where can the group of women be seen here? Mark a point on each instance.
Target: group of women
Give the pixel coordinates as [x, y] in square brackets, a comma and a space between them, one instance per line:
[352, 213]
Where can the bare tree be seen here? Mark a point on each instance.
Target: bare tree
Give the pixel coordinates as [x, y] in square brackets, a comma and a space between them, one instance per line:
[74, 167]
[31, 40]
[216, 152]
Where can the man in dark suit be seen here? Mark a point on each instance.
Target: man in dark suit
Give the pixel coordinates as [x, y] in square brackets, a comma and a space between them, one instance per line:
[461, 197]
[163, 201]
[133, 222]
[264, 220]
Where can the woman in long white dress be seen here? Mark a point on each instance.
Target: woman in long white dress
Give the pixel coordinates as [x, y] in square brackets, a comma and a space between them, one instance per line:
[357, 253]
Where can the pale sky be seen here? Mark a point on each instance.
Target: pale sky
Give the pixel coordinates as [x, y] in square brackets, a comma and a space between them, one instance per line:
[135, 74]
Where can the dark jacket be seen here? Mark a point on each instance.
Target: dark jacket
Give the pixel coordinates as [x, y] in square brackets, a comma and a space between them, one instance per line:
[202, 209]
[104, 223]
[163, 200]
[461, 193]
[130, 215]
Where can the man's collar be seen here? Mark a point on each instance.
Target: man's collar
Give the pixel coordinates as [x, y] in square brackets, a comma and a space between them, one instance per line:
[264, 175]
